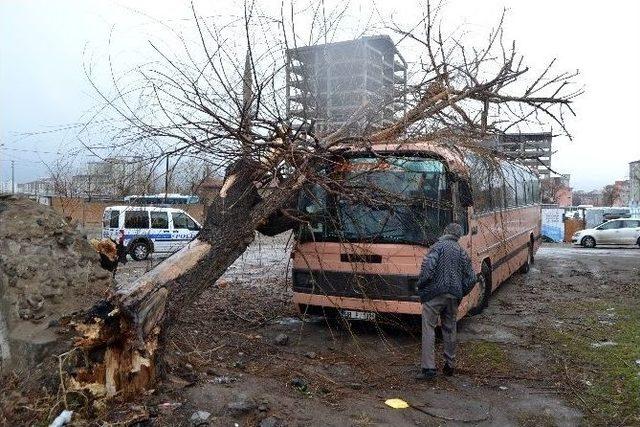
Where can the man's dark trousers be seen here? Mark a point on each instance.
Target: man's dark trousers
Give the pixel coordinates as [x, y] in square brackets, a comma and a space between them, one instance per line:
[445, 307]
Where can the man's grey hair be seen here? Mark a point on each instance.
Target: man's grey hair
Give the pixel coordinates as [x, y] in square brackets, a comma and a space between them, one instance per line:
[454, 230]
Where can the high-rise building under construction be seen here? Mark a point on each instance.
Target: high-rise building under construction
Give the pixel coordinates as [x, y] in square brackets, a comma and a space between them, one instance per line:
[356, 84]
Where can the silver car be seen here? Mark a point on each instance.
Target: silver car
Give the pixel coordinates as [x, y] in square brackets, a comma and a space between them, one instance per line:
[615, 232]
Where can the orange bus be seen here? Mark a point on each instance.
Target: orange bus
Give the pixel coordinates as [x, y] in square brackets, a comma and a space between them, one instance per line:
[361, 250]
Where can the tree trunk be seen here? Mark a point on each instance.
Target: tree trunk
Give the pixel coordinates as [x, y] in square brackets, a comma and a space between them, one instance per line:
[123, 333]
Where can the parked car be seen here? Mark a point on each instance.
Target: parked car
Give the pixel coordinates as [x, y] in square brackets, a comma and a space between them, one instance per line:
[149, 229]
[614, 232]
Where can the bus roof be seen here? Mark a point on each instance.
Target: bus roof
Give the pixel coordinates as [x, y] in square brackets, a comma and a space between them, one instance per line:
[453, 155]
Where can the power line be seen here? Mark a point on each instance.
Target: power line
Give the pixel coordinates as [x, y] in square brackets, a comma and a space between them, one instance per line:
[24, 150]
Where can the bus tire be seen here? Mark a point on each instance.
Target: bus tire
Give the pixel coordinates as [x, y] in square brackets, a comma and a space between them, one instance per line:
[485, 289]
[139, 250]
[524, 268]
[588, 242]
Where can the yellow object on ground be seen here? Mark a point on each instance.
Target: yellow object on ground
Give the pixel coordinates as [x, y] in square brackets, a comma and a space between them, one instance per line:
[396, 403]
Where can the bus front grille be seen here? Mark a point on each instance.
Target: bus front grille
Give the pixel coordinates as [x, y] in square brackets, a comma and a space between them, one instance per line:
[354, 285]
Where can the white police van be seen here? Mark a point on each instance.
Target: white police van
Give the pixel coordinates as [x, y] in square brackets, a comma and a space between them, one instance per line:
[149, 229]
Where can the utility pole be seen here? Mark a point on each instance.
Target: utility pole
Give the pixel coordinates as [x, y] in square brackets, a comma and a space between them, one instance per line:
[13, 177]
[166, 179]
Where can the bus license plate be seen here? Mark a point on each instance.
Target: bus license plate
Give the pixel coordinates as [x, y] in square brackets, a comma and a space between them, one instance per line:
[358, 315]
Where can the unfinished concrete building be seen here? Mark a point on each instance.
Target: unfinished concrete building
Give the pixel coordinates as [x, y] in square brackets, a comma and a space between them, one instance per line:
[532, 149]
[357, 84]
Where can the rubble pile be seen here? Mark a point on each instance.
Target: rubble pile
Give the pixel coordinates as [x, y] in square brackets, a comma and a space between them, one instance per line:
[48, 271]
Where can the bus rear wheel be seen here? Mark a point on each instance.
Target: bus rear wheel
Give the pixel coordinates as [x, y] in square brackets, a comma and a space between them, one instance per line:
[485, 289]
[524, 268]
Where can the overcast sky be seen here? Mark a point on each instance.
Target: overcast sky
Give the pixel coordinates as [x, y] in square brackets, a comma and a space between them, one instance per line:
[45, 44]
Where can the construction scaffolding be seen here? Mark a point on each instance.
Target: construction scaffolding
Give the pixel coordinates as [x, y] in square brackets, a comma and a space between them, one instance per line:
[357, 84]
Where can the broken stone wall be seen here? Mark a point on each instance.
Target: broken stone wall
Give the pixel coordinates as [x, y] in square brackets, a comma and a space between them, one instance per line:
[47, 271]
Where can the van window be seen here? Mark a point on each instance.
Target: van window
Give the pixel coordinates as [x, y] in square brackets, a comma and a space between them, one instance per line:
[136, 219]
[111, 219]
[182, 220]
[159, 220]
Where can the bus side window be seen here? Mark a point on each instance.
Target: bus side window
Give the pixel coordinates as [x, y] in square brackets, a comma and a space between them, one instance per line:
[536, 190]
[509, 184]
[497, 190]
[480, 174]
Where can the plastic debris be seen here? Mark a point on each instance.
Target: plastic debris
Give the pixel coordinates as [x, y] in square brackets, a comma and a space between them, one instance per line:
[63, 419]
[288, 321]
[396, 403]
[167, 407]
[223, 379]
[199, 418]
[503, 388]
[603, 344]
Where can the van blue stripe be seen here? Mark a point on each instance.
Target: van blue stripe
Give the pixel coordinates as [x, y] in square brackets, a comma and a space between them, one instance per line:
[160, 237]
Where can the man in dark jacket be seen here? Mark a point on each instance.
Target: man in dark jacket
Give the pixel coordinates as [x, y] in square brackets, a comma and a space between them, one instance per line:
[446, 276]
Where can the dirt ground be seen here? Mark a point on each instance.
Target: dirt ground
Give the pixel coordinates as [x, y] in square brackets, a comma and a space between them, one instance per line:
[558, 346]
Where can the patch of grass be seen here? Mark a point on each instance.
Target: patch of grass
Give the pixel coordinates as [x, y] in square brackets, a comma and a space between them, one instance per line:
[362, 419]
[603, 380]
[483, 357]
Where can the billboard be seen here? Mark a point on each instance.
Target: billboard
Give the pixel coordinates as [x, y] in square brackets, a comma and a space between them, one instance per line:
[553, 224]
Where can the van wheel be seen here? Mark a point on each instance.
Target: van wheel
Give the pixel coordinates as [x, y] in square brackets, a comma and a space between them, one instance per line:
[139, 251]
[485, 289]
[589, 242]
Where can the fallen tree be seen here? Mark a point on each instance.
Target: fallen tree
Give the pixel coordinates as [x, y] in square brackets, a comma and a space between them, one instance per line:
[458, 96]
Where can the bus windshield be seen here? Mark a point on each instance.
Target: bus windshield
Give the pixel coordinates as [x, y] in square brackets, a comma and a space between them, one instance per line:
[392, 199]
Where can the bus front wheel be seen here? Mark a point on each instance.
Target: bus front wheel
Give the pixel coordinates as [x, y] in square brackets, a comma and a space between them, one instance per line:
[484, 283]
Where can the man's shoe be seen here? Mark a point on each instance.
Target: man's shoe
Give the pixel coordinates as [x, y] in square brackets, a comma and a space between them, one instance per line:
[448, 370]
[426, 374]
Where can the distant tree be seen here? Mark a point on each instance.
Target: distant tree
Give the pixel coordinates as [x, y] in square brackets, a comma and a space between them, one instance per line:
[190, 174]
[609, 195]
[578, 198]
